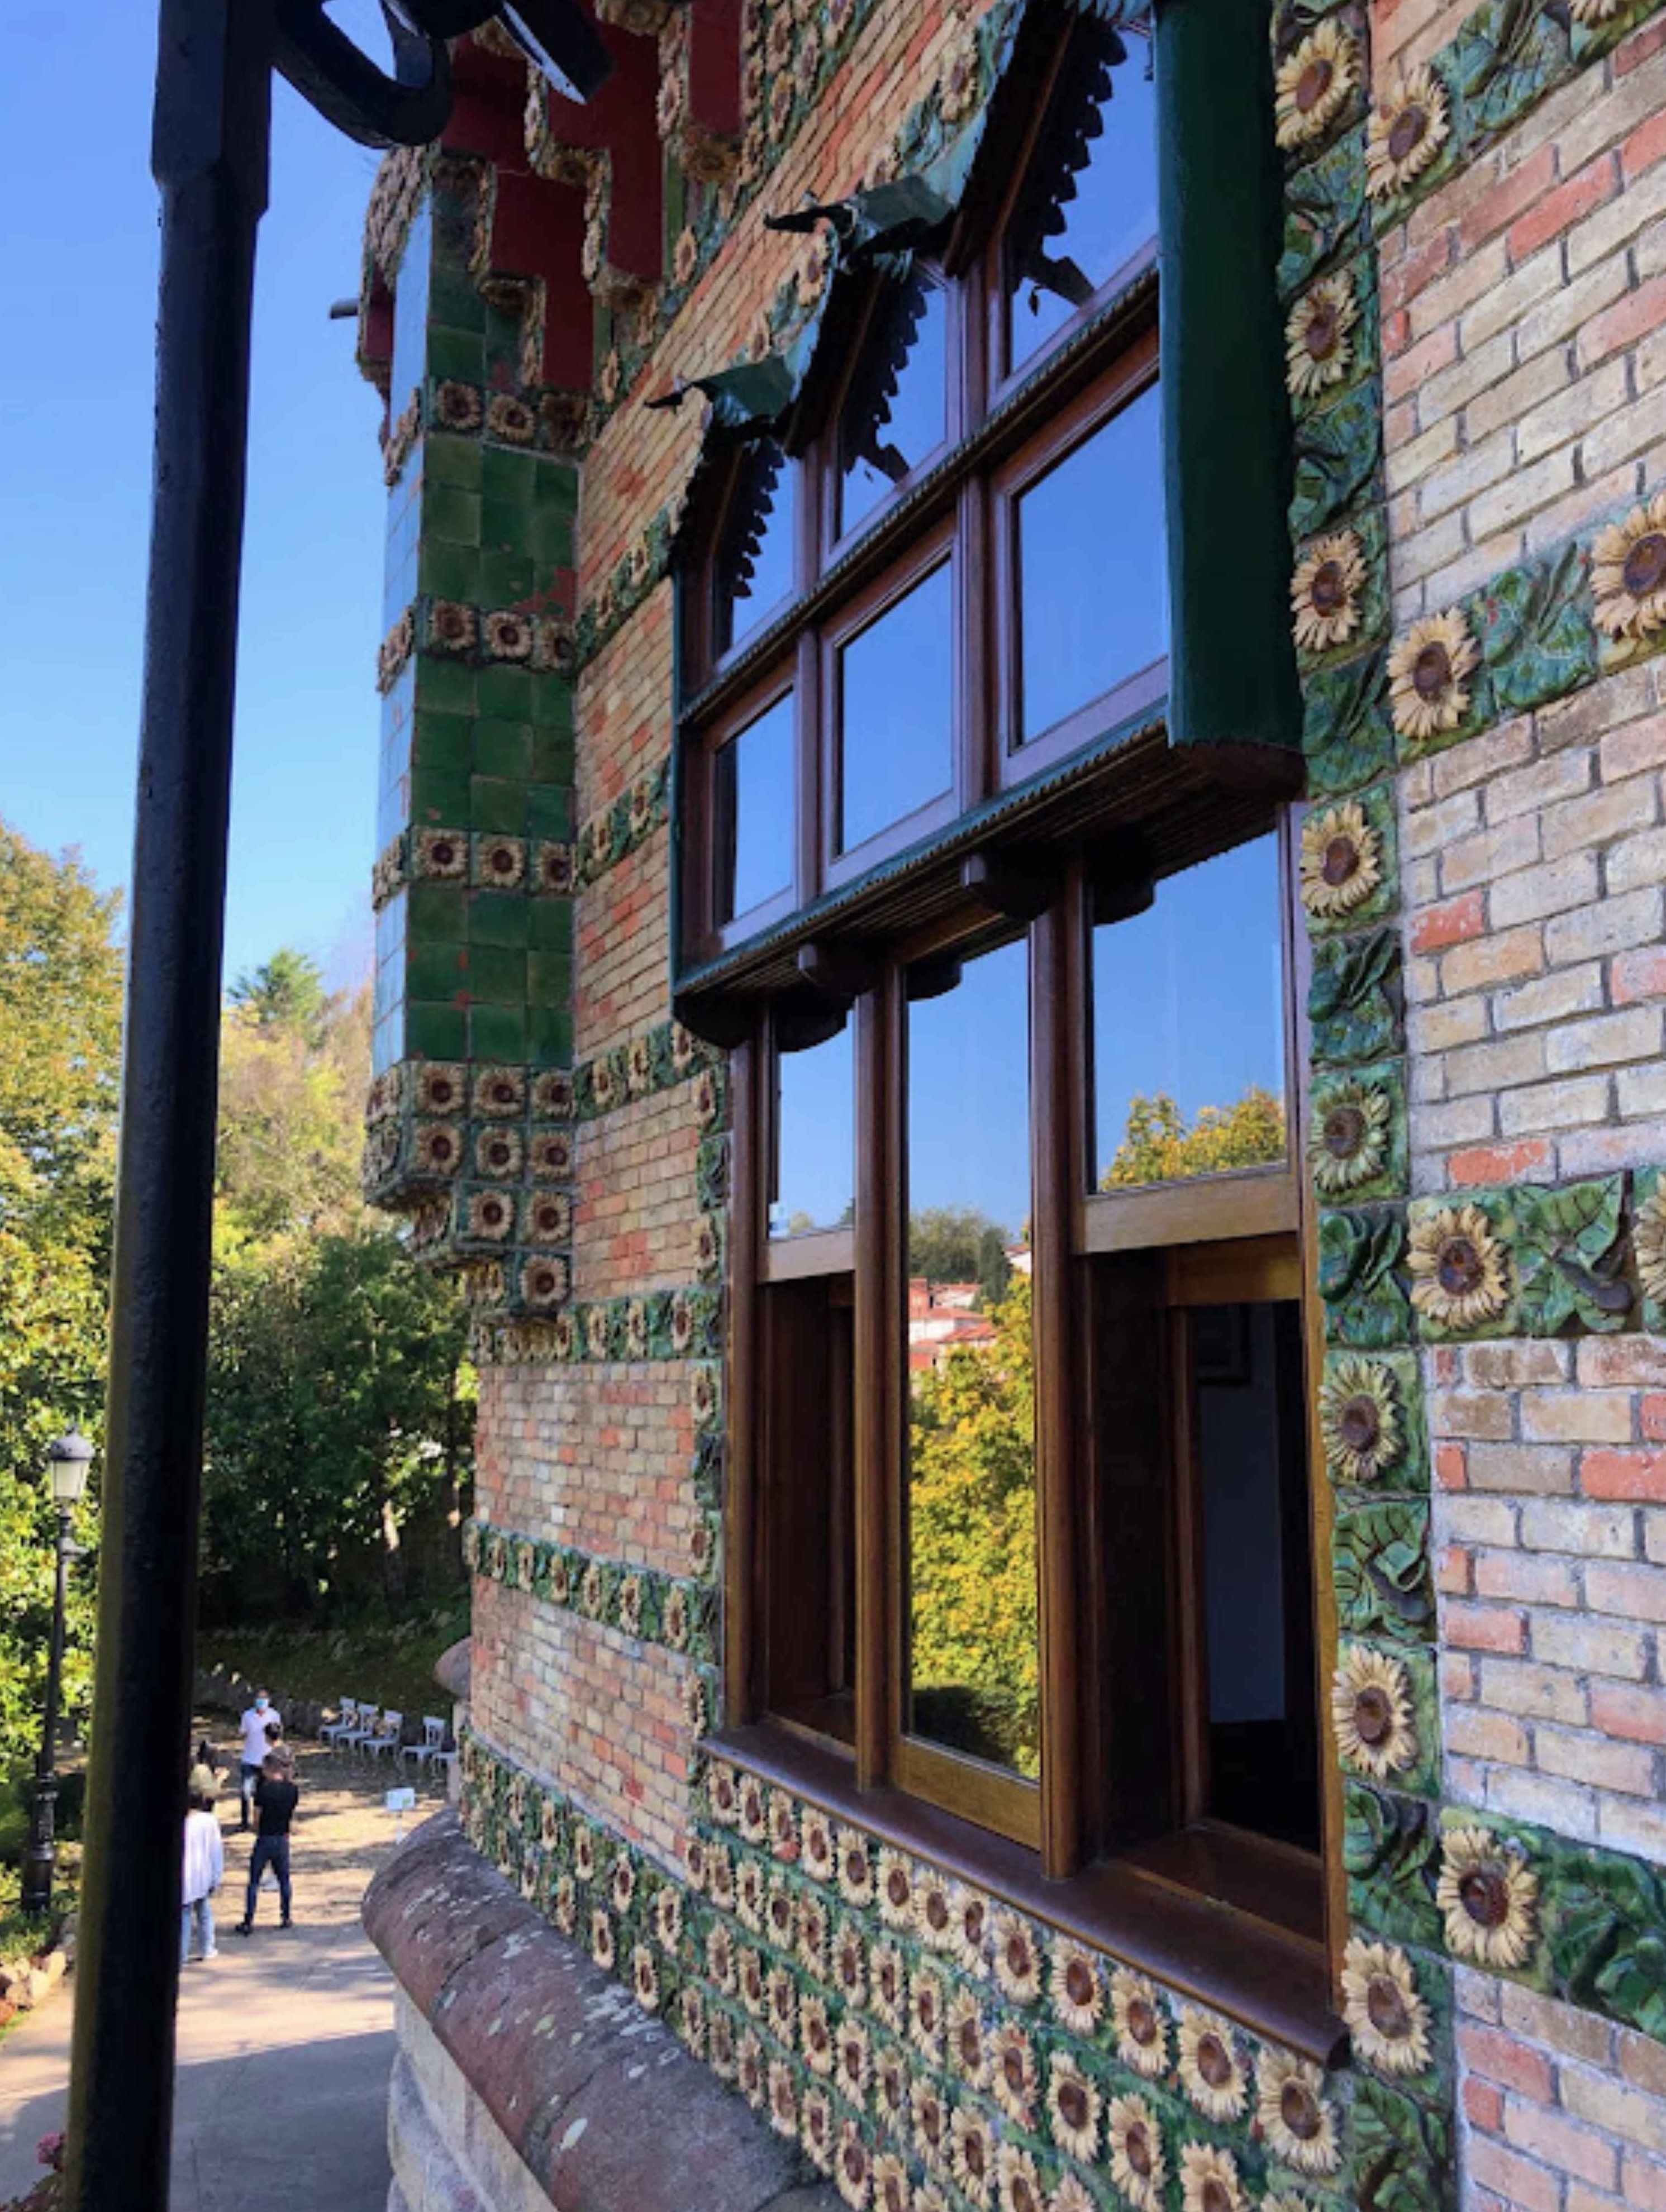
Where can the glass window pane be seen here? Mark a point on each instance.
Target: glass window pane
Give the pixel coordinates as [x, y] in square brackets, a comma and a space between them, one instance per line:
[897, 411]
[1093, 567]
[1189, 1025]
[816, 1147]
[1090, 200]
[971, 1507]
[753, 811]
[896, 690]
[755, 562]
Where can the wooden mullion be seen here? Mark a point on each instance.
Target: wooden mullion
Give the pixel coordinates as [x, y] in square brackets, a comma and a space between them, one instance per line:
[749, 1071]
[879, 1358]
[1055, 1080]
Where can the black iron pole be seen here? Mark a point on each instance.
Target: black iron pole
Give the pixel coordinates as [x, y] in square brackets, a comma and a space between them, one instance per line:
[209, 158]
[42, 1856]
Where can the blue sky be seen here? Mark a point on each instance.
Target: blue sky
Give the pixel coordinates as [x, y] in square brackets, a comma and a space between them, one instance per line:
[76, 394]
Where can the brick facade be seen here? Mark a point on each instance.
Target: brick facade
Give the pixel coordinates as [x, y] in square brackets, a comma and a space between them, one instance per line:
[1512, 303]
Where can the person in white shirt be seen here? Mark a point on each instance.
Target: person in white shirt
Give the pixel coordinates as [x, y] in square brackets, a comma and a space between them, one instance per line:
[204, 1869]
[256, 1744]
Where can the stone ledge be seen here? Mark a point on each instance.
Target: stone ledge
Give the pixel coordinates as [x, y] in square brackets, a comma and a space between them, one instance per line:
[599, 2101]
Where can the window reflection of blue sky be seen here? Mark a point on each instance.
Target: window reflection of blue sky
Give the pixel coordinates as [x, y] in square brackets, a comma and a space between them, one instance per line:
[765, 497]
[816, 1177]
[913, 420]
[968, 1091]
[1112, 213]
[1099, 515]
[898, 685]
[761, 761]
[1188, 996]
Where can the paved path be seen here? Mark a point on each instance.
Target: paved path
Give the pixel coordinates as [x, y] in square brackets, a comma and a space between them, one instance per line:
[296, 2024]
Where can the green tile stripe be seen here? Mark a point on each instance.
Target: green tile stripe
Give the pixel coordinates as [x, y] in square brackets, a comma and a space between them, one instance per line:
[767, 1906]
[649, 1326]
[677, 1611]
[628, 822]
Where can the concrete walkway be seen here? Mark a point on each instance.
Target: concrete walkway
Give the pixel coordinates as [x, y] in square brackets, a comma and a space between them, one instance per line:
[296, 2027]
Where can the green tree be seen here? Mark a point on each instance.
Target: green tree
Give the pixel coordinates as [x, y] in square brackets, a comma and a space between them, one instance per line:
[952, 1243]
[974, 1626]
[1157, 1146]
[291, 1093]
[285, 992]
[60, 1014]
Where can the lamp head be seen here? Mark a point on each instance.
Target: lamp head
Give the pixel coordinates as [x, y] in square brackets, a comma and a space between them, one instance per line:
[68, 1458]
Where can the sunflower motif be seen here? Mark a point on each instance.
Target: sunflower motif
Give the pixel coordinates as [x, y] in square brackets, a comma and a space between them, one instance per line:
[511, 419]
[1594, 11]
[933, 1913]
[1324, 591]
[630, 1605]
[927, 2009]
[489, 1215]
[668, 1916]
[721, 2055]
[1348, 1144]
[696, 1710]
[812, 1936]
[1341, 860]
[783, 1827]
[1209, 2070]
[1370, 1712]
[1409, 124]
[956, 87]
[452, 626]
[851, 1963]
[565, 1904]
[1300, 2126]
[1138, 2022]
[1359, 1419]
[816, 2128]
[751, 2074]
[748, 1896]
[1018, 2183]
[722, 1795]
[1383, 2008]
[1209, 2179]
[927, 2198]
[1017, 1958]
[963, 2032]
[692, 2019]
[720, 1877]
[1071, 2195]
[891, 2183]
[1318, 346]
[783, 2100]
[1313, 83]
[601, 1939]
[853, 2165]
[971, 1930]
[782, 1998]
[1488, 1895]
[852, 2061]
[1628, 573]
[1074, 2105]
[1137, 2165]
[1649, 1244]
[621, 1885]
[895, 1882]
[1012, 2074]
[555, 866]
[754, 1982]
[592, 1589]
[1074, 1987]
[508, 635]
[1460, 1272]
[1429, 669]
[457, 406]
[930, 2117]
[855, 1867]
[816, 2035]
[971, 2155]
[645, 1978]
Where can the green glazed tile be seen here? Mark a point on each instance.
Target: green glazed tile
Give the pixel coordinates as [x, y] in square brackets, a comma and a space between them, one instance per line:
[551, 702]
[508, 693]
[444, 741]
[455, 304]
[508, 479]
[549, 536]
[498, 974]
[552, 755]
[451, 514]
[503, 918]
[435, 972]
[555, 484]
[439, 912]
[550, 1037]
[439, 797]
[498, 1033]
[449, 572]
[445, 683]
[455, 354]
[435, 1032]
[550, 931]
[502, 748]
[498, 803]
[550, 979]
[506, 578]
[452, 461]
[549, 810]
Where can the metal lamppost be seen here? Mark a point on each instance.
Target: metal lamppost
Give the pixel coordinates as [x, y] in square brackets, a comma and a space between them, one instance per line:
[68, 1458]
[209, 155]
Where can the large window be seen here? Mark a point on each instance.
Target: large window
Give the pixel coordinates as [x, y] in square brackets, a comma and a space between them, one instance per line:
[1021, 1517]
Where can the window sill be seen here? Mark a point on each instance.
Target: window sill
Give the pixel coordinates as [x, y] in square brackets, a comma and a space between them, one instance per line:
[1270, 1980]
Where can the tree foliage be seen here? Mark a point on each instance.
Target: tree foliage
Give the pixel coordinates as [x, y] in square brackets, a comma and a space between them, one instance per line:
[60, 1014]
[974, 1626]
[1159, 1146]
[959, 1244]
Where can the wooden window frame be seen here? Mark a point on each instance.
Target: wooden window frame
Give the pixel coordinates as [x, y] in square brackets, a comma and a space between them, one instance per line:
[705, 629]
[824, 472]
[699, 800]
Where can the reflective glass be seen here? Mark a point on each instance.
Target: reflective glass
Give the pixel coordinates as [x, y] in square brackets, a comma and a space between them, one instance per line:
[755, 564]
[816, 1147]
[1189, 1025]
[1090, 200]
[896, 691]
[1093, 568]
[753, 805]
[895, 413]
[974, 1683]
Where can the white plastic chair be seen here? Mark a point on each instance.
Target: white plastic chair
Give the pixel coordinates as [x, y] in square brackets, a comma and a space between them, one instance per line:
[357, 1737]
[347, 1720]
[386, 1735]
[434, 1737]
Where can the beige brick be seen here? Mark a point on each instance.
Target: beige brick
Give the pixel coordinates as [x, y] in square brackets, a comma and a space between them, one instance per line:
[1599, 1151]
[1639, 859]
[1629, 1768]
[1418, 458]
[1550, 999]
[1605, 1040]
[1432, 827]
[1529, 290]
[1489, 1067]
[1487, 1414]
[1570, 1807]
[1611, 926]
[1639, 1362]
[1634, 1593]
[1570, 414]
[1535, 1470]
[1503, 956]
[1562, 1105]
[1479, 759]
[1537, 1693]
[1570, 2149]
[1643, 2062]
[1503, 1366]
[1463, 1121]
[1469, 1520]
[1615, 809]
[1438, 1028]
[1551, 888]
[1641, 1091]
[1626, 1827]
[1606, 1532]
[1512, 397]
[1576, 1416]
[1562, 2028]
[1454, 482]
[1527, 489]
[1497, 851]
[1595, 1647]
[1474, 1733]
[1578, 509]
[1565, 773]
[1558, 315]
[1605, 230]
[1629, 430]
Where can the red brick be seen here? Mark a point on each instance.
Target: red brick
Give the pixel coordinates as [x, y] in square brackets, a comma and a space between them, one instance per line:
[1484, 2103]
[1451, 1467]
[1522, 2185]
[1406, 370]
[1641, 974]
[1503, 2058]
[1459, 920]
[1639, 47]
[1518, 1162]
[1569, 203]
[1402, 284]
[1486, 1628]
[1562, 2143]
[1453, 1571]
[1501, 203]
[1608, 1472]
[1621, 1709]
[1645, 2183]
[1621, 325]
[1652, 1412]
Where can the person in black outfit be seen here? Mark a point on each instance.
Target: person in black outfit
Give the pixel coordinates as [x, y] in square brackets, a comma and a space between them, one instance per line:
[275, 1800]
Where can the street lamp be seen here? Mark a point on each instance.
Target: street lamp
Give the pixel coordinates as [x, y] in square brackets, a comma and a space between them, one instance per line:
[209, 147]
[68, 1458]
